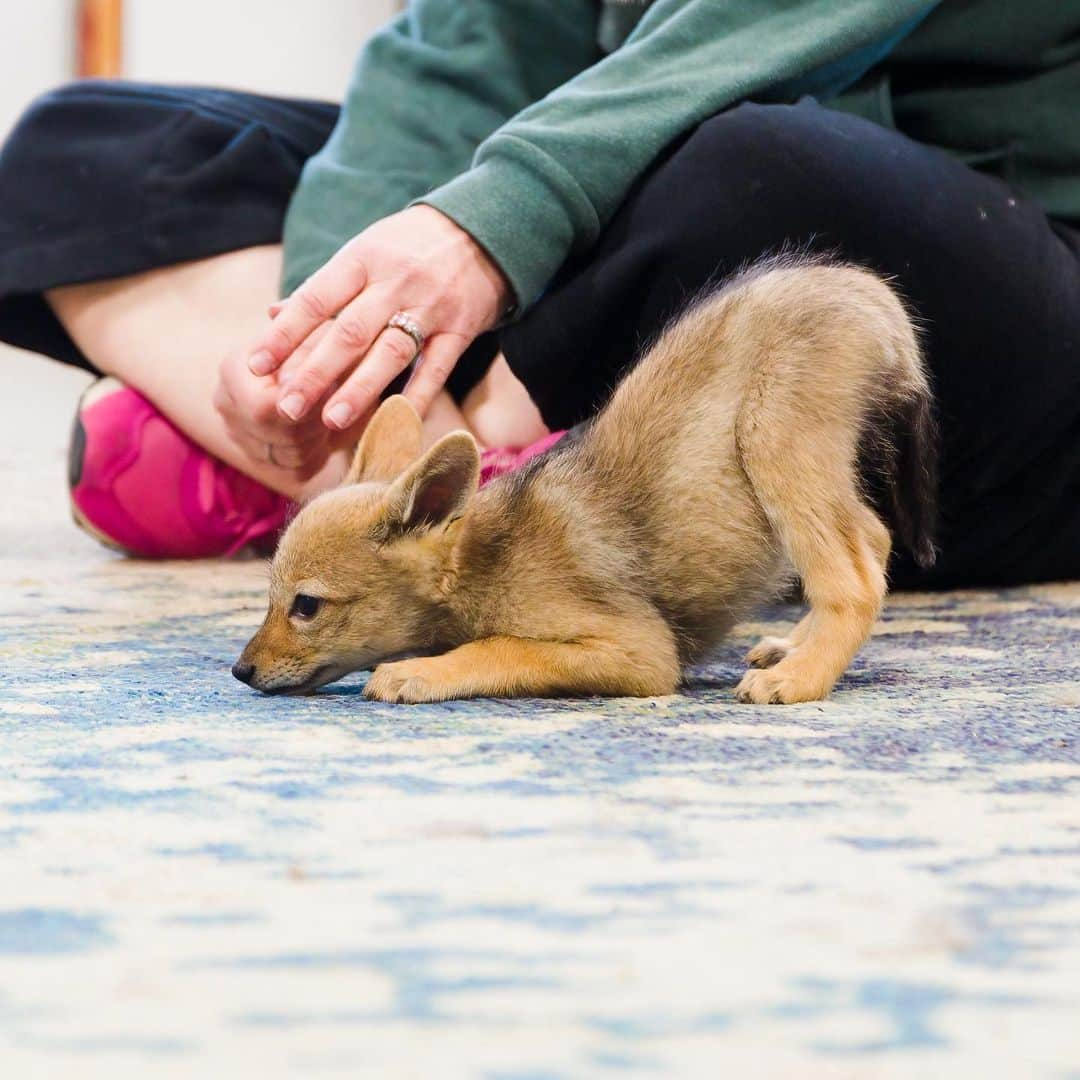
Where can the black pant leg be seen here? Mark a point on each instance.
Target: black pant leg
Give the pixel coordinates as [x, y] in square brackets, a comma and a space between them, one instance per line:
[102, 179]
[995, 284]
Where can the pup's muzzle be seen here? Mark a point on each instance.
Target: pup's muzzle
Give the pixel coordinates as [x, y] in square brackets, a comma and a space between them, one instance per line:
[244, 672]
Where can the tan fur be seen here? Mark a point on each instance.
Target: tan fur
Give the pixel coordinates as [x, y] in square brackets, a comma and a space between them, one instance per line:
[723, 466]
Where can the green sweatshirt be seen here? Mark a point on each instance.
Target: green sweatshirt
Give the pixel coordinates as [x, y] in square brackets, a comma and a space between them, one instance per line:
[527, 121]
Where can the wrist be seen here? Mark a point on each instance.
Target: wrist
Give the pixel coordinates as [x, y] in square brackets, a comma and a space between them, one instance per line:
[499, 284]
[476, 257]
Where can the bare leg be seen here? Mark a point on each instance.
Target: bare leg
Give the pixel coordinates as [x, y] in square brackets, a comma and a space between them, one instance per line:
[499, 410]
[164, 332]
[443, 417]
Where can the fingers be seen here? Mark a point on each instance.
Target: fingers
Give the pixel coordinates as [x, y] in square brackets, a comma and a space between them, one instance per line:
[440, 355]
[392, 352]
[287, 371]
[301, 462]
[317, 300]
[248, 406]
[359, 333]
[298, 461]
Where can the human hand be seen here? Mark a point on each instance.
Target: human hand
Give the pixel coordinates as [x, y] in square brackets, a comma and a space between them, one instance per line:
[418, 262]
[248, 405]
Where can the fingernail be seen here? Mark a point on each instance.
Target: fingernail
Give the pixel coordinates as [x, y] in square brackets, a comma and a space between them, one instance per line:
[261, 363]
[340, 415]
[292, 405]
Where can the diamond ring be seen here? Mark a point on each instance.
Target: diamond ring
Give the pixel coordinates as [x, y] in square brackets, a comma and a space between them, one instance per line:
[400, 321]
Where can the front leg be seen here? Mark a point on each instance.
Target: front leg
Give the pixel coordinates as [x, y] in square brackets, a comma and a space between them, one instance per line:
[528, 667]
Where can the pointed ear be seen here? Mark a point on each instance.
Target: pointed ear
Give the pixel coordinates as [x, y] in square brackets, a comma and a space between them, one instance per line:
[390, 444]
[437, 488]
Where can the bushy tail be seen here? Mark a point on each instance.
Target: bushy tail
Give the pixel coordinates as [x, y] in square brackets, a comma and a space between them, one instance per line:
[911, 474]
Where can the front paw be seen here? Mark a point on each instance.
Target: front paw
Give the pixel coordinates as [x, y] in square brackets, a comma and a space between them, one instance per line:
[784, 684]
[405, 682]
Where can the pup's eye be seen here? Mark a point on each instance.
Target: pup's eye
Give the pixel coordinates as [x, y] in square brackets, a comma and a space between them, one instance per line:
[305, 607]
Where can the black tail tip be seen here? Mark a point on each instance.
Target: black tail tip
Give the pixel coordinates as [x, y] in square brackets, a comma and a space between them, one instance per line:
[925, 555]
[914, 479]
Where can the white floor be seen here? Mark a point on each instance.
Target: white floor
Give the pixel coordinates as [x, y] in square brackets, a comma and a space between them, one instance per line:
[37, 403]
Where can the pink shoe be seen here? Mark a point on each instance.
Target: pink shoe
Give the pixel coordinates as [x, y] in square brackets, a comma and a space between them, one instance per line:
[504, 459]
[140, 485]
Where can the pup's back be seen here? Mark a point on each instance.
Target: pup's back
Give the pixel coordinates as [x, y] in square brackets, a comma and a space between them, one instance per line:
[776, 381]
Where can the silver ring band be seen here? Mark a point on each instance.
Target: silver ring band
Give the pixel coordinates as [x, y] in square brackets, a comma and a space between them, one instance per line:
[400, 321]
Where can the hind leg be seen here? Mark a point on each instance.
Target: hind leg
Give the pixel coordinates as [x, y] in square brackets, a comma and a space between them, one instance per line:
[771, 650]
[839, 548]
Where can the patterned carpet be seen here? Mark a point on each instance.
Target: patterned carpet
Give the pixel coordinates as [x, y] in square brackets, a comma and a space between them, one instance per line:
[198, 877]
[199, 881]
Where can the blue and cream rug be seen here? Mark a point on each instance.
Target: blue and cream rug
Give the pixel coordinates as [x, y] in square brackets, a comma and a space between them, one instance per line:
[198, 881]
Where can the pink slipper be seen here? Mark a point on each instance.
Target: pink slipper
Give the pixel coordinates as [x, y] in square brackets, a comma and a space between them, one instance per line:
[138, 484]
[504, 459]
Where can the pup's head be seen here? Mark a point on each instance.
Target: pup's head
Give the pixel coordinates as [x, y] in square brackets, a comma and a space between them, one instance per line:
[360, 572]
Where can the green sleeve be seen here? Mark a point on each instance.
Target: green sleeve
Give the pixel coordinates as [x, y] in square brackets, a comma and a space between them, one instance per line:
[543, 185]
[427, 90]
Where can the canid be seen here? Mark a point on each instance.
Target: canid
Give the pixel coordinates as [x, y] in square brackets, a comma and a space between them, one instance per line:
[728, 462]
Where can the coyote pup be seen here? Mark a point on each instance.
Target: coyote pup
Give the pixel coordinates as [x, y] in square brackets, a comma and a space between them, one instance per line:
[725, 464]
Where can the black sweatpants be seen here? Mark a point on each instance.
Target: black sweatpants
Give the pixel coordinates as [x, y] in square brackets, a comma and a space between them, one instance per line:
[104, 179]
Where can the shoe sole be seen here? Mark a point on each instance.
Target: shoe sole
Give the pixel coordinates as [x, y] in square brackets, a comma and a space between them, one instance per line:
[77, 452]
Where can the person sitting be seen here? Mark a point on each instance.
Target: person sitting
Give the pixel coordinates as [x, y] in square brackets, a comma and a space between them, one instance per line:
[524, 194]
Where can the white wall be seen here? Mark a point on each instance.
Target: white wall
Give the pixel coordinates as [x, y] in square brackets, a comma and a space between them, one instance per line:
[36, 51]
[304, 48]
[301, 48]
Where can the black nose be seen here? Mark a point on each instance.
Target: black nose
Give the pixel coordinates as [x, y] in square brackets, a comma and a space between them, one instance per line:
[242, 671]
